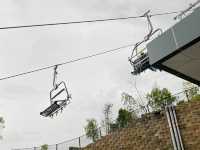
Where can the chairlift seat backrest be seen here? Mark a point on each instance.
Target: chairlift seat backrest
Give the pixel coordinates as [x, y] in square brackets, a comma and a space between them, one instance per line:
[63, 89]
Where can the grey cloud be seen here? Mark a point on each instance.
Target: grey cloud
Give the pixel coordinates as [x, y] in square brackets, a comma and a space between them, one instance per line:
[92, 82]
[118, 8]
[20, 91]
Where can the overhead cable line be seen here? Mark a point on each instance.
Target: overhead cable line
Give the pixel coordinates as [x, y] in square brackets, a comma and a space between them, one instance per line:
[76, 22]
[68, 62]
[85, 21]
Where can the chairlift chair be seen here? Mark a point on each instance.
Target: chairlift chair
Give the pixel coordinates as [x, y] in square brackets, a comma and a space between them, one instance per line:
[140, 61]
[56, 105]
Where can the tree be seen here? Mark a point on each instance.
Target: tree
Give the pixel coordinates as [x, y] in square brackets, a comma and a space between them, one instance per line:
[128, 102]
[159, 98]
[91, 129]
[44, 147]
[107, 117]
[114, 126]
[124, 118]
[196, 98]
[2, 122]
[131, 105]
[190, 90]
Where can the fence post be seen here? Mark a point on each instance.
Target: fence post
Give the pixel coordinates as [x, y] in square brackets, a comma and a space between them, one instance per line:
[56, 146]
[79, 142]
[100, 133]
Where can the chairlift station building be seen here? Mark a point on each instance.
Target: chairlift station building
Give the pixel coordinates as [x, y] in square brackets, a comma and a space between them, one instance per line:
[177, 50]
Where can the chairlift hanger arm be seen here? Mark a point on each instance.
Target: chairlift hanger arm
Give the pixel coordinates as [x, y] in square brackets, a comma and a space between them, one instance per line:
[150, 25]
[55, 76]
[151, 30]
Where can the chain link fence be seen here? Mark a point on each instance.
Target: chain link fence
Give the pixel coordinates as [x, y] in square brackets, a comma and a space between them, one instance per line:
[73, 144]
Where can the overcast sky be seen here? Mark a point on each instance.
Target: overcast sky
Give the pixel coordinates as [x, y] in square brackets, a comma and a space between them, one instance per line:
[92, 82]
